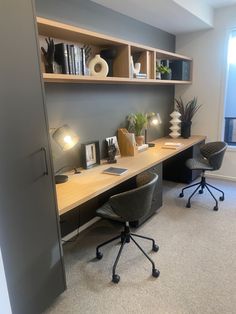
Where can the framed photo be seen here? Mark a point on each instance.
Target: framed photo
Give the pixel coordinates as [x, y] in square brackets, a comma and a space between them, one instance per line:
[113, 140]
[90, 154]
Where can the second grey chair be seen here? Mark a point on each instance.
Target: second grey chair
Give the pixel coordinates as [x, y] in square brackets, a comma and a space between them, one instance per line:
[210, 160]
[126, 207]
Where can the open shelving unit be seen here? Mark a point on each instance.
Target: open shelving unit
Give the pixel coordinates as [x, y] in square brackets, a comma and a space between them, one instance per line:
[147, 56]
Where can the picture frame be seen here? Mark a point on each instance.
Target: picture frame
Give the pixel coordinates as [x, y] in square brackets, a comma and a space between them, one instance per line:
[90, 154]
[115, 142]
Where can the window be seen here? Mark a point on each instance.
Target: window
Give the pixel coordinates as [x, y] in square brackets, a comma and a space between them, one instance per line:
[230, 99]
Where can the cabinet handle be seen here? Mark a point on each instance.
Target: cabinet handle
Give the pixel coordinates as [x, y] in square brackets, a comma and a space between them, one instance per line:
[43, 149]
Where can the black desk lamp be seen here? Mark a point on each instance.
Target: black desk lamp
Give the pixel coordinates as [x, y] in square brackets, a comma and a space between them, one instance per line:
[153, 119]
[66, 138]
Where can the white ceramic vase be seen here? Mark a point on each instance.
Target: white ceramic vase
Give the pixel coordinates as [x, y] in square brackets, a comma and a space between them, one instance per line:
[101, 64]
[175, 122]
[135, 68]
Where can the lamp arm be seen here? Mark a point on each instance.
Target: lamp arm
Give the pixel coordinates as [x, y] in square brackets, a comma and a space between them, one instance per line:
[145, 135]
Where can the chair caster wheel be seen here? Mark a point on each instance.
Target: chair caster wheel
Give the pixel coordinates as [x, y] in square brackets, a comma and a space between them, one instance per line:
[99, 255]
[181, 195]
[200, 192]
[155, 273]
[155, 248]
[221, 198]
[188, 205]
[115, 278]
[215, 208]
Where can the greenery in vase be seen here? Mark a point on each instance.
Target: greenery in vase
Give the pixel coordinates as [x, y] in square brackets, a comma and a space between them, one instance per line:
[163, 69]
[188, 109]
[137, 122]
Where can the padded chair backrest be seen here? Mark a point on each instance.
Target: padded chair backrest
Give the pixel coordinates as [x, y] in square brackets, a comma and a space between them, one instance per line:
[214, 153]
[134, 204]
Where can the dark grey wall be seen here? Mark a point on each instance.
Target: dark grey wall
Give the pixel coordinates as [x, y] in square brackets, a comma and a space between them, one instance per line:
[96, 111]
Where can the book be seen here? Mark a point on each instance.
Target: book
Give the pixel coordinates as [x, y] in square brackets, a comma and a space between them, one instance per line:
[83, 63]
[172, 145]
[61, 57]
[116, 171]
[69, 59]
[140, 75]
[72, 51]
[78, 67]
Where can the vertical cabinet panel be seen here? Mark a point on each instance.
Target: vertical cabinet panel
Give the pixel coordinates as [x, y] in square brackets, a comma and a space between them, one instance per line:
[121, 64]
[29, 232]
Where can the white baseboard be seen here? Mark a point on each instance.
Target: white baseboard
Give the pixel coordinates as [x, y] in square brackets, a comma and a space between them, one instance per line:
[220, 176]
[80, 229]
[89, 223]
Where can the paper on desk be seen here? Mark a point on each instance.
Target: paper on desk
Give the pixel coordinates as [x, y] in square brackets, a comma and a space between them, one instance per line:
[172, 145]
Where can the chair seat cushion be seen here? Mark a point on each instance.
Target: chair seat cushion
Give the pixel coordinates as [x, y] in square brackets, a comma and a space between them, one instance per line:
[105, 211]
[198, 164]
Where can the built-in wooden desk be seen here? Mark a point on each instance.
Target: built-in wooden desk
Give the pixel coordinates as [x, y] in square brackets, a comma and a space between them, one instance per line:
[82, 187]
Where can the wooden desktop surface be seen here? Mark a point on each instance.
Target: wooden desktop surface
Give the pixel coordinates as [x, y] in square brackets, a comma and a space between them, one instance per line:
[92, 182]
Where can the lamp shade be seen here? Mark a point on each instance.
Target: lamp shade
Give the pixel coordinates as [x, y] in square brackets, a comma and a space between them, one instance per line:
[154, 118]
[65, 137]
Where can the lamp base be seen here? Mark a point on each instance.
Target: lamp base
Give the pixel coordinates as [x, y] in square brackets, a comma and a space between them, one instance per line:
[61, 178]
[151, 144]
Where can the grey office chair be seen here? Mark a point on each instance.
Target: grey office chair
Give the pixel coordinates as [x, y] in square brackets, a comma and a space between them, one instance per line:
[210, 160]
[126, 207]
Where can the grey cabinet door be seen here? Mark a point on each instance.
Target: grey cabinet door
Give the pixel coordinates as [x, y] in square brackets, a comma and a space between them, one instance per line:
[29, 232]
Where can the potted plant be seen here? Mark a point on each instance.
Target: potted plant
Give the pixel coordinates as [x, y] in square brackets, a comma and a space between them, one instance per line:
[165, 71]
[187, 111]
[137, 123]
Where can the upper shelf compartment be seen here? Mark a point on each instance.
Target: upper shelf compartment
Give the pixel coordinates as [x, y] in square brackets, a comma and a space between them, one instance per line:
[120, 69]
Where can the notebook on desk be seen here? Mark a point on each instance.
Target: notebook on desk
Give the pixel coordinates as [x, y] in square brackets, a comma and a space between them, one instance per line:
[116, 171]
[172, 145]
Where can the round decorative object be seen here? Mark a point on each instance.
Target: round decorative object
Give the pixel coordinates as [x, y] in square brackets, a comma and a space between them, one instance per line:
[98, 67]
[175, 121]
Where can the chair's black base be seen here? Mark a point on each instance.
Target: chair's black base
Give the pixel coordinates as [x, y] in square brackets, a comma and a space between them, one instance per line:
[125, 237]
[202, 185]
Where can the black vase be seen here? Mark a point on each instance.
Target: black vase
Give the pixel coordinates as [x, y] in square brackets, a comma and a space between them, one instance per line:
[166, 76]
[186, 129]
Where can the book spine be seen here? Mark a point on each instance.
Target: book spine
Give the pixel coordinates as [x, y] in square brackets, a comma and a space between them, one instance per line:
[65, 66]
[83, 61]
[77, 60]
[69, 59]
[72, 50]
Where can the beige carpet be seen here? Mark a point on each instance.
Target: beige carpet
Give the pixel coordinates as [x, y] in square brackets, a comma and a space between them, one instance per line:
[197, 261]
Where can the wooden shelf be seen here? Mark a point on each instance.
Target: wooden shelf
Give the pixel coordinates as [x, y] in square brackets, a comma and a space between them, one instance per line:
[147, 56]
[69, 78]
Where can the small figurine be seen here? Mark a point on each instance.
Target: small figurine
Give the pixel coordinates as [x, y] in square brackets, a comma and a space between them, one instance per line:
[111, 148]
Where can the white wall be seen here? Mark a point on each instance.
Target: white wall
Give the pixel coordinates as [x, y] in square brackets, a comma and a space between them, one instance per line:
[209, 51]
[199, 8]
[4, 298]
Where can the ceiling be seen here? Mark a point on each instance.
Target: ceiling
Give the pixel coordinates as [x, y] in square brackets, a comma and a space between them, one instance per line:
[173, 16]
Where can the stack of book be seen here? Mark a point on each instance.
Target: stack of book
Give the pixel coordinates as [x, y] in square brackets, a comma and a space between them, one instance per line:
[71, 59]
[172, 145]
[140, 75]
